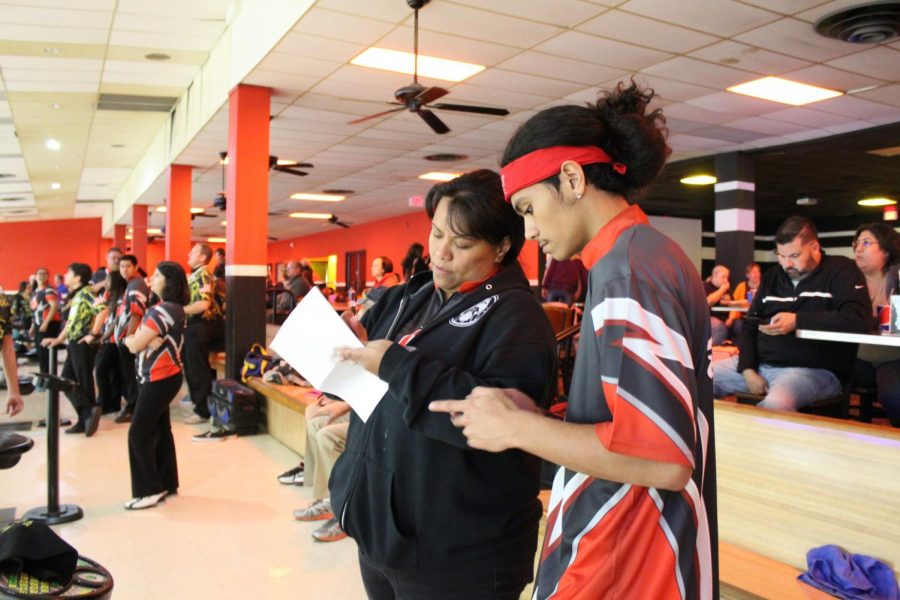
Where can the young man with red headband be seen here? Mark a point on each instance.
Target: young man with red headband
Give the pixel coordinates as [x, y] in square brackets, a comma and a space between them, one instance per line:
[632, 513]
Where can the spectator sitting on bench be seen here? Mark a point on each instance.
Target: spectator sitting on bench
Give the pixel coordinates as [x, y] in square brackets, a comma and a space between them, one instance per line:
[327, 422]
[808, 290]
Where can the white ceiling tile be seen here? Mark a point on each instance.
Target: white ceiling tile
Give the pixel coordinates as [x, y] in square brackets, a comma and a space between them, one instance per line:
[175, 23]
[341, 26]
[641, 31]
[162, 41]
[51, 86]
[696, 114]
[807, 116]
[826, 8]
[14, 14]
[49, 63]
[482, 25]
[557, 67]
[443, 45]
[345, 105]
[832, 78]
[59, 35]
[519, 82]
[889, 94]
[146, 79]
[860, 108]
[382, 10]
[582, 46]
[785, 8]
[489, 97]
[766, 126]
[195, 9]
[26, 75]
[349, 90]
[97, 192]
[672, 90]
[749, 58]
[794, 38]
[317, 47]
[95, 175]
[107, 5]
[177, 71]
[735, 105]
[718, 17]
[690, 70]
[691, 142]
[565, 13]
[377, 78]
[301, 65]
[880, 62]
[279, 80]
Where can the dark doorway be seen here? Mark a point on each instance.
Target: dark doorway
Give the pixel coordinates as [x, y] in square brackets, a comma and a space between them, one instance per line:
[355, 270]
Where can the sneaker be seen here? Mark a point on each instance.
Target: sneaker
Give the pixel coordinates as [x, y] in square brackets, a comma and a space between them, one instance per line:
[145, 501]
[123, 417]
[194, 419]
[329, 532]
[92, 422]
[292, 477]
[213, 435]
[76, 428]
[186, 401]
[317, 511]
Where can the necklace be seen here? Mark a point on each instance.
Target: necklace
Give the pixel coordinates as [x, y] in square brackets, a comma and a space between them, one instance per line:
[873, 296]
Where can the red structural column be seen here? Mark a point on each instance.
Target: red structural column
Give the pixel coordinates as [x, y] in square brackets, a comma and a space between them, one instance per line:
[119, 237]
[139, 233]
[178, 215]
[247, 197]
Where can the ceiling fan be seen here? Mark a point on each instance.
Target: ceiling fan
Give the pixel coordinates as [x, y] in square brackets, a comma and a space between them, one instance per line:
[282, 166]
[416, 98]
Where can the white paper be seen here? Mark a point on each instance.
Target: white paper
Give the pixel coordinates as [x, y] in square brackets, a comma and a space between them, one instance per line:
[308, 341]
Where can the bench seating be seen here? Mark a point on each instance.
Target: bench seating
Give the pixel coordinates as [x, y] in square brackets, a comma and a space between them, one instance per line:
[285, 411]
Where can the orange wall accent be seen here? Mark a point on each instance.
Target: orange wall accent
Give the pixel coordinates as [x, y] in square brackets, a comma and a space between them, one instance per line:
[178, 214]
[139, 241]
[389, 237]
[25, 246]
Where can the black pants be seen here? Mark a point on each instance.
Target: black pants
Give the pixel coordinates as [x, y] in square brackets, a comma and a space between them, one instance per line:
[199, 337]
[109, 378]
[151, 447]
[388, 584]
[44, 353]
[79, 367]
[129, 377]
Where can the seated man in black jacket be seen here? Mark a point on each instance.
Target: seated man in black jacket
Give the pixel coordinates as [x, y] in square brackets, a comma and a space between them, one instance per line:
[808, 291]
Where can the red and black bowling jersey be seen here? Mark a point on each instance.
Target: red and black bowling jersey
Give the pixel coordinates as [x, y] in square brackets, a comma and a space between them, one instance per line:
[166, 319]
[40, 303]
[642, 378]
[134, 303]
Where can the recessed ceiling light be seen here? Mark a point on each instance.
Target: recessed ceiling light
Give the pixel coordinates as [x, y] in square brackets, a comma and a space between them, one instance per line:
[876, 202]
[161, 209]
[55, 186]
[224, 223]
[56, 106]
[52, 144]
[308, 215]
[217, 240]
[439, 176]
[445, 157]
[12, 199]
[429, 66]
[698, 180]
[784, 91]
[157, 56]
[807, 201]
[154, 231]
[317, 197]
[51, 50]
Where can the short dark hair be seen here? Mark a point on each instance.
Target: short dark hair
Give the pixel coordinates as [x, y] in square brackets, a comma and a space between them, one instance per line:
[220, 251]
[205, 251]
[887, 237]
[130, 258]
[479, 211]
[387, 265]
[796, 226]
[82, 271]
[618, 123]
[176, 289]
[114, 249]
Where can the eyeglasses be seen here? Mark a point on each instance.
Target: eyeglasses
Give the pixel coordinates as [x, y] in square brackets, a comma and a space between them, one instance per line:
[865, 243]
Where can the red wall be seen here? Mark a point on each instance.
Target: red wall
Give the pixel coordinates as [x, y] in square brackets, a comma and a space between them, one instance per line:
[27, 245]
[390, 237]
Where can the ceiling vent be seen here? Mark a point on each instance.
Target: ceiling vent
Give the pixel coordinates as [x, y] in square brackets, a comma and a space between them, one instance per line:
[136, 103]
[872, 23]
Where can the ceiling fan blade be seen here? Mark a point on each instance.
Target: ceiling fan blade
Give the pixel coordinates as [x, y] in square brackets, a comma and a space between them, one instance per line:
[433, 121]
[431, 94]
[483, 110]
[292, 169]
[205, 214]
[376, 115]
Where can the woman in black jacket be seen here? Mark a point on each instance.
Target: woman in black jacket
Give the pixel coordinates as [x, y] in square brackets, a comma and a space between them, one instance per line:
[432, 517]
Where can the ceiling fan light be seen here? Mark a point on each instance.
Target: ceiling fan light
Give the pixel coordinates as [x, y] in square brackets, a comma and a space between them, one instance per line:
[429, 66]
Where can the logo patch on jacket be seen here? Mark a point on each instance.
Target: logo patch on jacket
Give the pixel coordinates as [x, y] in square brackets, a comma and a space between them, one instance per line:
[471, 315]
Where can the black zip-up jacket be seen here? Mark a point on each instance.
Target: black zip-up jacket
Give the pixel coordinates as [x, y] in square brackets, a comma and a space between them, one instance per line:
[832, 298]
[408, 488]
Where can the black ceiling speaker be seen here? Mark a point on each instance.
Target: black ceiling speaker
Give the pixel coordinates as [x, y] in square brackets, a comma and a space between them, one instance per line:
[871, 23]
[415, 96]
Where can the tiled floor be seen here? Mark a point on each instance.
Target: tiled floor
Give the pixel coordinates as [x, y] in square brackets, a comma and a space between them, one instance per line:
[228, 534]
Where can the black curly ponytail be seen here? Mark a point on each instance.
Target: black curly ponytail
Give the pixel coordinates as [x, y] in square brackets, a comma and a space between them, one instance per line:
[618, 123]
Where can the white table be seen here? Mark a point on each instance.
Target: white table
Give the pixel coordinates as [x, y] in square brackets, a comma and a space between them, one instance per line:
[884, 339]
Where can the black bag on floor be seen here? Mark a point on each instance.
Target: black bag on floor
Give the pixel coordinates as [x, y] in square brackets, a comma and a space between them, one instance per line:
[234, 407]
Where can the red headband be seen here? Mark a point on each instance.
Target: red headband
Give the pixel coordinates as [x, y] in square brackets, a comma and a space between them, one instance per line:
[539, 165]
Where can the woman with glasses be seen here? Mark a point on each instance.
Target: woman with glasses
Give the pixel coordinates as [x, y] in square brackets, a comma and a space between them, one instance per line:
[876, 249]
